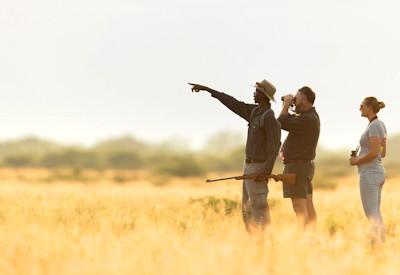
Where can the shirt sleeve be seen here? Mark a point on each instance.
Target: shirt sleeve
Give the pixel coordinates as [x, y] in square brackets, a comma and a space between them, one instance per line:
[293, 123]
[374, 131]
[238, 107]
[273, 134]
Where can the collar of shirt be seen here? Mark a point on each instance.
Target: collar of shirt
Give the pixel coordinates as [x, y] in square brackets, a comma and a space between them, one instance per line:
[375, 117]
[260, 109]
[309, 110]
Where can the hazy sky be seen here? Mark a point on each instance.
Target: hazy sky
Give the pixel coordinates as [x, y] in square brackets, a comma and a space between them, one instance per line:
[81, 71]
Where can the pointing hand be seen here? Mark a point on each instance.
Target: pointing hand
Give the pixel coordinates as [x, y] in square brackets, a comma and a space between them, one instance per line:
[197, 87]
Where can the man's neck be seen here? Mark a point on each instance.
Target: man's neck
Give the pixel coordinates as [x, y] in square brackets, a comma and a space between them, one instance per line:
[264, 104]
[307, 108]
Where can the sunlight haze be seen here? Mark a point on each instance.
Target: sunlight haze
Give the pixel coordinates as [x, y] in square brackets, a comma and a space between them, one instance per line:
[82, 71]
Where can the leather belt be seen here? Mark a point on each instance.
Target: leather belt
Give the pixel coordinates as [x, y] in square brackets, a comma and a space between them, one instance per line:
[290, 161]
[248, 160]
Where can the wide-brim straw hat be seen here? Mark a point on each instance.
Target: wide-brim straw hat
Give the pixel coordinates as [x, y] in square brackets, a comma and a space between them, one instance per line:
[267, 88]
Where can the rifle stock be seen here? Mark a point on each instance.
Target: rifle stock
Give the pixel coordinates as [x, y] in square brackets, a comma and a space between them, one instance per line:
[286, 178]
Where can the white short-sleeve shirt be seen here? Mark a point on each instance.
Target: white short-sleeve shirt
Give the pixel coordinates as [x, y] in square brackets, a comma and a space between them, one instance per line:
[376, 128]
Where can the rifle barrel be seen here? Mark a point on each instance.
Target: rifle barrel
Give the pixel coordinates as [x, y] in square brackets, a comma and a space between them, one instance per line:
[288, 178]
[220, 179]
[241, 177]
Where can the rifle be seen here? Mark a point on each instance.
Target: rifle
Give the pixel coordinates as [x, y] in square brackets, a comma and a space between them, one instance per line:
[286, 178]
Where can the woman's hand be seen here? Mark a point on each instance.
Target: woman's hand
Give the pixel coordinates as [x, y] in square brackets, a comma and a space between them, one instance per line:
[354, 160]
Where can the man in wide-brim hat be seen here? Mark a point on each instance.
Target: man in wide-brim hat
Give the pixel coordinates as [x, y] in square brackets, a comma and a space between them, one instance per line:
[262, 147]
[266, 88]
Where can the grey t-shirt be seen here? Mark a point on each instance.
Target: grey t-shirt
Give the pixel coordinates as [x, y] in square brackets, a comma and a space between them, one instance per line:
[375, 129]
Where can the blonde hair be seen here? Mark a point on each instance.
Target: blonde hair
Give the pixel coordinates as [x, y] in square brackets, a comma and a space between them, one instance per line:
[374, 104]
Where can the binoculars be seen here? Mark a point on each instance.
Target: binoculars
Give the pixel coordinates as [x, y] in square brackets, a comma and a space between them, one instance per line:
[282, 99]
[354, 152]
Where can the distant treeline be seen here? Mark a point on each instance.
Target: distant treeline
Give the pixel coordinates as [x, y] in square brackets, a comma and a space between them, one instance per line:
[223, 152]
[120, 153]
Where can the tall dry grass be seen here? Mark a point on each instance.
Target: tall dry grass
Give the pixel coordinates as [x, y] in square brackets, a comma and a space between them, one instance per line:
[185, 228]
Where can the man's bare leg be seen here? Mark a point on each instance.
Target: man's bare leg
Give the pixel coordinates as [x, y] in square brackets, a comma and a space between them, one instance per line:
[300, 208]
[312, 215]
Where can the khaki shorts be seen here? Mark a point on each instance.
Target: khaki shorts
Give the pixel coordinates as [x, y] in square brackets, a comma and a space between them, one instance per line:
[304, 175]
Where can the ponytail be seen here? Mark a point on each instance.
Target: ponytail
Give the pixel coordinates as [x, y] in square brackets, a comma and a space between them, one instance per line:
[374, 104]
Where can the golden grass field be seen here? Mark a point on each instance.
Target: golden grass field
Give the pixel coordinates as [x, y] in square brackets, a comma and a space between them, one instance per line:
[184, 227]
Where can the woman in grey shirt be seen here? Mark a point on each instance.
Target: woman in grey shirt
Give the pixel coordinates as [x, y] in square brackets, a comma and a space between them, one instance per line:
[370, 167]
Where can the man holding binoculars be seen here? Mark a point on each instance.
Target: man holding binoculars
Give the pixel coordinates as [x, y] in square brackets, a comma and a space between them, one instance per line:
[299, 149]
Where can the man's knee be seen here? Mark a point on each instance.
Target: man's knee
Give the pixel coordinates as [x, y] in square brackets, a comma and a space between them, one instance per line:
[259, 201]
[299, 205]
[260, 210]
[259, 207]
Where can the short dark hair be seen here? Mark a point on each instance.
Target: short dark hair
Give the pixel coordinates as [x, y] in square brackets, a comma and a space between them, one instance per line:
[308, 93]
